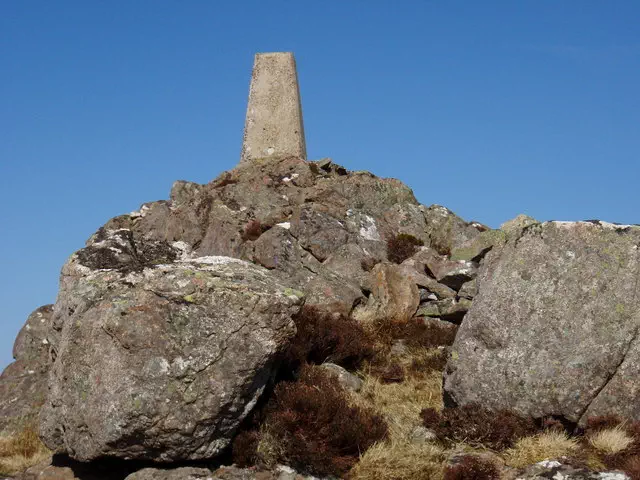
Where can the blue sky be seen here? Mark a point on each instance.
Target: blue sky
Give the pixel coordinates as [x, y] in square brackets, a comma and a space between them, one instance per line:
[490, 108]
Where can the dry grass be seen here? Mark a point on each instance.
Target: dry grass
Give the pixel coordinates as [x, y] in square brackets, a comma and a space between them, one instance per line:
[551, 444]
[400, 461]
[21, 451]
[401, 403]
[611, 440]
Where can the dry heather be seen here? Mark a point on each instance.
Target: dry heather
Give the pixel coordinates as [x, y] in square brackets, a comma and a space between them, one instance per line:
[310, 425]
[552, 444]
[322, 337]
[402, 246]
[472, 467]
[21, 451]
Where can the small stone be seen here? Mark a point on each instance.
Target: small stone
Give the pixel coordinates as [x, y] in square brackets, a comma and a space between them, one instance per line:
[421, 435]
[346, 379]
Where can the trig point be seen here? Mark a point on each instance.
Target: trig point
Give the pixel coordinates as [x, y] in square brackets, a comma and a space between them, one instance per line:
[273, 128]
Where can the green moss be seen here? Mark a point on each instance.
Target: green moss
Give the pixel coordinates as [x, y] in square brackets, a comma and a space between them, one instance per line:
[292, 292]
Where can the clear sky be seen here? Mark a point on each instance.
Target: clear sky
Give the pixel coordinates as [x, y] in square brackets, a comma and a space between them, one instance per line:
[491, 108]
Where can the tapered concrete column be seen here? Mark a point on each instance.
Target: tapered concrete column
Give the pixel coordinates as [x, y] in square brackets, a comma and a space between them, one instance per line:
[273, 128]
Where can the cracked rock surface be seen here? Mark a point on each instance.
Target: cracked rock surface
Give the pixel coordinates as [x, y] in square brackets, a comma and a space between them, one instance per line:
[553, 329]
[161, 353]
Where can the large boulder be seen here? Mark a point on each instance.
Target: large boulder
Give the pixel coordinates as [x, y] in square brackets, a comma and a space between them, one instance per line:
[23, 384]
[161, 353]
[554, 327]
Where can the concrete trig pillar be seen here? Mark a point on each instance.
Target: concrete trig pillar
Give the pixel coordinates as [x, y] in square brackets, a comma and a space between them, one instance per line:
[273, 127]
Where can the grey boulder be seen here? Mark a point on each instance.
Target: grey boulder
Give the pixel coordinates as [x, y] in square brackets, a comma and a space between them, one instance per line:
[553, 329]
[161, 353]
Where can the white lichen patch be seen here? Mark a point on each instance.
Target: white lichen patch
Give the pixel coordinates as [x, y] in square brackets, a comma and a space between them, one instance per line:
[368, 228]
[599, 223]
[440, 210]
[140, 213]
[81, 269]
[216, 260]
[549, 464]
[292, 177]
[285, 225]
[613, 476]
[184, 249]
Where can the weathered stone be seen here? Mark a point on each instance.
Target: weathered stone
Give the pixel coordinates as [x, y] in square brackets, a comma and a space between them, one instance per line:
[449, 309]
[513, 228]
[478, 246]
[349, 261]
[23, 383]
[37, 337]
[454, 274]
[183, 473]
[421, 435]
[182, 192]
[180, 351]
[274, 127]
[429, 309]
[346, 379]
[556, 470]
[447, 231]
[469, 289]
[393, 295]
[280, 472]
[553, 330]
[414, 269]
[318, 232]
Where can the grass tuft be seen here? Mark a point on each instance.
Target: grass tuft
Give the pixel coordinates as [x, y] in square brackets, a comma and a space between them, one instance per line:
[611, 440]
[399, 461]
[547, 445]
[401, 403]
[21, 451]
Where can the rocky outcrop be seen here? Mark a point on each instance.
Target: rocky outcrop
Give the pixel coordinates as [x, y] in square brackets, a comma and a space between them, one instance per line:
[315, 222]
[554, 327]
[23, 384]
[161, 353]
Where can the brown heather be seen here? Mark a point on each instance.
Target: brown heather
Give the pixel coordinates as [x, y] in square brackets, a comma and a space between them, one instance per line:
[402, 246]
[472, 467]
[311, 425]
[323, 337]
[477, 426]
[415, 332]
[252, 230]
